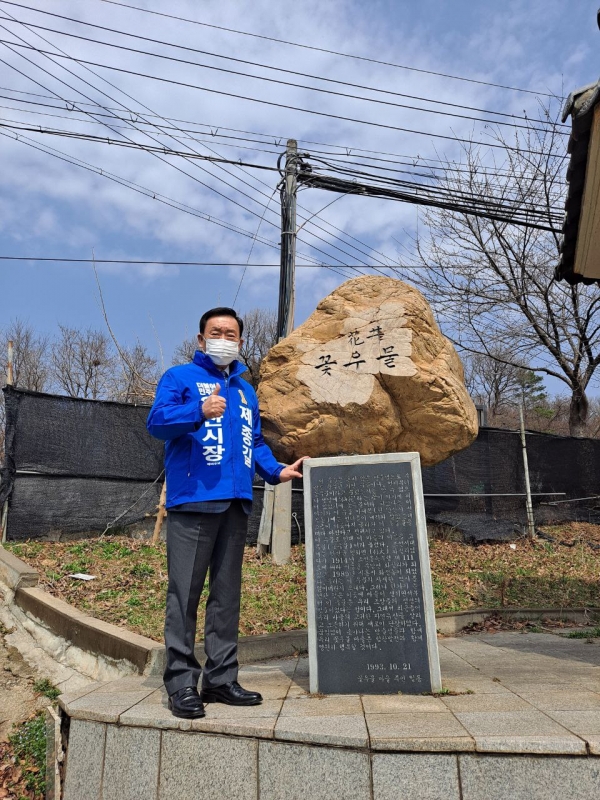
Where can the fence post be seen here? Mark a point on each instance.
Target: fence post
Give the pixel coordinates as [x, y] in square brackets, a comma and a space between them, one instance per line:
[528, 503]
[161, 514]
[9, 382]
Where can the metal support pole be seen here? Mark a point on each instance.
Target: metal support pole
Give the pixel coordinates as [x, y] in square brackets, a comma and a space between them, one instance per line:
[276, 519]
[528, 503]
[9, 382]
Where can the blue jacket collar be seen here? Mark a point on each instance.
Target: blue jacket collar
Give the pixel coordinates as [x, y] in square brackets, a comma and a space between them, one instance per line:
[202, 360]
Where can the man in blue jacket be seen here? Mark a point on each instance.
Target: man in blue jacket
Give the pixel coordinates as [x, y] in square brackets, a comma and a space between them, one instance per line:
[209, 418]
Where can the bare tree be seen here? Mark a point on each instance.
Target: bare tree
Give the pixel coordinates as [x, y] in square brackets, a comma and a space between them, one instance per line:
[490, 379]
[184, 352]
[260, 334]
[492, 283]
[83, 363]
[30, 362]
[30, 356]
[135, 381]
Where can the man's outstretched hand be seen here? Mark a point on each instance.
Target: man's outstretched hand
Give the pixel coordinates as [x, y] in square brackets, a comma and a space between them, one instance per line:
[292, 470]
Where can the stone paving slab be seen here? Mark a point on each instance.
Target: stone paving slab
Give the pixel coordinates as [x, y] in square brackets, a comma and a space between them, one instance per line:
[130, 778]
[192, 768]
[348, 730]
[292, 771]
[579, 722]
[549, 745]
[415, 776]
[398, 704]
[394, 728]
[510, 723]
[521, 777]
[509, 693]
[308, 706]
[255, 727]
[522, 728]
[104, 706]
[582, 700]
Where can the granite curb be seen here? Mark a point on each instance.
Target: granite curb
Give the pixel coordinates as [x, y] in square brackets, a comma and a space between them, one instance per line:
[14, 573]
[147, 656]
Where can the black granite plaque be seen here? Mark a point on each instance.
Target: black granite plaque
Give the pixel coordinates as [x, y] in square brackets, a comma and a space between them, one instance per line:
[369, 631]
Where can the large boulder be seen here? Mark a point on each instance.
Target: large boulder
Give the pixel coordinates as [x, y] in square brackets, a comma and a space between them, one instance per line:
[368, 372]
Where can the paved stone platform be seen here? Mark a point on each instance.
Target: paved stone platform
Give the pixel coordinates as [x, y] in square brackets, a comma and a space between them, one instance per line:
[524, 722]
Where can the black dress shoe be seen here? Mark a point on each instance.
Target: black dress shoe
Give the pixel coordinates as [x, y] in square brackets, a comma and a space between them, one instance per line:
[186, 703]
[232, 694]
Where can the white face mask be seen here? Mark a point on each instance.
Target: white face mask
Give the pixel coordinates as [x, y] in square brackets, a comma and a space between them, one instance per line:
[221, 351]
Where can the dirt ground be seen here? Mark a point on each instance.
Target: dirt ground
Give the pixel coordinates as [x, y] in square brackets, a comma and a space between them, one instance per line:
[17, 697]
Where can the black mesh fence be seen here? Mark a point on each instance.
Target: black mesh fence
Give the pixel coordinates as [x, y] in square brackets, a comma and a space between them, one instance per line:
[77, 466]
[481, 490]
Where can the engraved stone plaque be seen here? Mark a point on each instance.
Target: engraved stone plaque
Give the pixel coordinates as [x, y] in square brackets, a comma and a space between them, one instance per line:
[371, 623]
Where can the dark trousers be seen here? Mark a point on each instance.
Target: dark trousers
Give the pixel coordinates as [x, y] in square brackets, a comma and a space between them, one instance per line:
[197, 543]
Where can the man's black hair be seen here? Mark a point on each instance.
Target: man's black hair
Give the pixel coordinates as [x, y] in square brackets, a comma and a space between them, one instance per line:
[221, 311]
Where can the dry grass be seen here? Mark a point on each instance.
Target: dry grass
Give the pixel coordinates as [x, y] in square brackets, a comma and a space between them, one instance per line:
[131, 583]
[131, 578]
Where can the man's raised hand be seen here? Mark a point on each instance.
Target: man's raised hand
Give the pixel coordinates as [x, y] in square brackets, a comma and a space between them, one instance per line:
[214, 405]
[292, 471]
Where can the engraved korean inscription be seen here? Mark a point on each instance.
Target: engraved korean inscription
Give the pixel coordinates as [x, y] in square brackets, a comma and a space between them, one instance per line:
[368, 597]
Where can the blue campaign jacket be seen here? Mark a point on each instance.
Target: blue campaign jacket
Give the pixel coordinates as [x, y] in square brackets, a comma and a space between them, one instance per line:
[209, 459]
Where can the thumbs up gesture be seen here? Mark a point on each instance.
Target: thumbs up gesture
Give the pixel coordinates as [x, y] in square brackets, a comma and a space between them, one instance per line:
[214, 405]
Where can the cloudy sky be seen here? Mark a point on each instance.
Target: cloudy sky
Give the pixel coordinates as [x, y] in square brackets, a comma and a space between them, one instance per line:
[134, 205]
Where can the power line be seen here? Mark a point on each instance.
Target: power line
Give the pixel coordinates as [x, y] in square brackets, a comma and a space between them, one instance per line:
[280, 69]
[149, 193]
[505, 202]
[329, 52]
[154, 263]
[130, 144]
[142, 262]
[333, 157]
[276, 139]
[219, 166]
[468, 197]
[211, 188]
[261, 101]
[161, 159]
[338, 185]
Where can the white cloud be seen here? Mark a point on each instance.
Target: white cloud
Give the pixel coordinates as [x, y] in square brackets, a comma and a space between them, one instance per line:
[54, 208]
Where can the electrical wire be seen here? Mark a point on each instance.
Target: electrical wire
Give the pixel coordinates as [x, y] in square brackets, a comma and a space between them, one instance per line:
[144, 262]
[329, 52]
[333, 158]
[338, 185]
[362, 190]
[279, 69]
[150, 193]
[506, 202]
[433, 190]
[220, 167]
[339, 261]
[278, 140]
[272, 103]
[88, 137]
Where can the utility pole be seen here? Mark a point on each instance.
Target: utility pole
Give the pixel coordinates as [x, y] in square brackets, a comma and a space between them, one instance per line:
[528, 502]
[287, 269]
[10, 379]
[276, 519]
